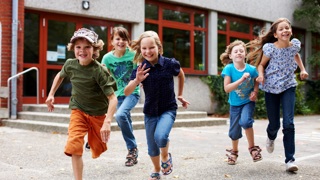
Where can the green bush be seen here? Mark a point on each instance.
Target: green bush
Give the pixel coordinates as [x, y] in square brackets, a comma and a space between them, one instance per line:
[313, 95]
[219, 96]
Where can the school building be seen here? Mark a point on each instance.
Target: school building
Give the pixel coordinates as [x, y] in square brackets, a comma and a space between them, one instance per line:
[35, 33]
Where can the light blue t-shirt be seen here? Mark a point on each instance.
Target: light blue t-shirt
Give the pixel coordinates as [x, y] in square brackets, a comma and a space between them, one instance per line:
[279, 74]
[241, 94]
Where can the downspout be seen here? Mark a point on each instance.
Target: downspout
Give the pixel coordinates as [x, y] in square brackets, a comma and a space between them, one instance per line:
[13, 95]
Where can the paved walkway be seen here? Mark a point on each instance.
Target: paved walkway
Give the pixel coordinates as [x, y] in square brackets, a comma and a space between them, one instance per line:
[198, 154]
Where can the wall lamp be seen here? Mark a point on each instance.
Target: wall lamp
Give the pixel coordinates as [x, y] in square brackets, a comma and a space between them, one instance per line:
[85, 5]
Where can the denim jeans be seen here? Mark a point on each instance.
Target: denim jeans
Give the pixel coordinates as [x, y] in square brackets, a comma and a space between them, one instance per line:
[123, 118]
[240, 117]
[157, 131]
[287, 101]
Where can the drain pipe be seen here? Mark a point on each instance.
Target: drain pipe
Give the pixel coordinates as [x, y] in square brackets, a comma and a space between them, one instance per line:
[13, 95]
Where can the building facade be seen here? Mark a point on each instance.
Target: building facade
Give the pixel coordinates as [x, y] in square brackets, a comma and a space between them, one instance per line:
[34, 36]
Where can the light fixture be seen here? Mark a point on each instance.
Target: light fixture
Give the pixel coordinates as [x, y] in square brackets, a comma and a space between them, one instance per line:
[85, 5]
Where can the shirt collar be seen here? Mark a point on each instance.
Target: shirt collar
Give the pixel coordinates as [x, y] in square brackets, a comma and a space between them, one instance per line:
[160, 62]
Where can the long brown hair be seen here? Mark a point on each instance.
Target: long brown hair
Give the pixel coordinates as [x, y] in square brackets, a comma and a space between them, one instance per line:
[254, 57]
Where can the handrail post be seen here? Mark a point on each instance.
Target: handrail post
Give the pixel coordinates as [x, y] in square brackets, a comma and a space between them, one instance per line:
[17, 75]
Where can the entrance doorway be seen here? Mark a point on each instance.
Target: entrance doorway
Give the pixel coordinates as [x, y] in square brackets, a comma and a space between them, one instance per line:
[46, 37]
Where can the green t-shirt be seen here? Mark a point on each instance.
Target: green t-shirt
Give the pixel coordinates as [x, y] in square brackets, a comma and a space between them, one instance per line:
[91, 85]
[121, 69]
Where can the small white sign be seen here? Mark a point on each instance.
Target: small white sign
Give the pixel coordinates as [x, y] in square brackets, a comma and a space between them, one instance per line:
[52, 56]
[61, 49]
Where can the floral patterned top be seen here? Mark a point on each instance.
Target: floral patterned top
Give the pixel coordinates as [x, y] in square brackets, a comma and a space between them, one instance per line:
[279, 74]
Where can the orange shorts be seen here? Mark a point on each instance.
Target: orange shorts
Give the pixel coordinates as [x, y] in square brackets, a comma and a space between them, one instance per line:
[81, 124]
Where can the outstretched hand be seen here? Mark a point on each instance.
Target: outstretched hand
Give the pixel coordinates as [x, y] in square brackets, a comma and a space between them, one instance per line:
[184, 102]
[303, 75]
[142, 74]
[49, 102]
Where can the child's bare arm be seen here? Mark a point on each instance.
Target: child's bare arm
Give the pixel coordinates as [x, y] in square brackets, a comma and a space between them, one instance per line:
[106, 127]
[55, 85]
[303, 73]
[181, 79]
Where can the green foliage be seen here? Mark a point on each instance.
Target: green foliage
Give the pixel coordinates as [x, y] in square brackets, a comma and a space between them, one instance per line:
[314, 60]
[215, 83]
[309, 11]
[313, 97]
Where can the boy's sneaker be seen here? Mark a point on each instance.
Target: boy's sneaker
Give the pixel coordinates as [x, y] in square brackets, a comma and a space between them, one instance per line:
[291, 167]
[270, 145]
[87, 147]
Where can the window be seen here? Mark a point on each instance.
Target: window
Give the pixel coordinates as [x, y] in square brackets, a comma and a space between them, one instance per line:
[232, 28]
[183, 33]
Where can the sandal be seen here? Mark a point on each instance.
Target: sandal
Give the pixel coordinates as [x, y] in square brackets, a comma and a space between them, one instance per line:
[132, 157]
[154, 176]
[232, 157]
[166, 165]
[255, 153]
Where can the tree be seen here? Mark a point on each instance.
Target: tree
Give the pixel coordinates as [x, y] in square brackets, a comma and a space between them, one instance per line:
[309, 11]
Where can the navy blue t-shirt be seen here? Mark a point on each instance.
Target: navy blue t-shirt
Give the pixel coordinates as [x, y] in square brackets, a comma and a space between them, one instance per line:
[159, 86]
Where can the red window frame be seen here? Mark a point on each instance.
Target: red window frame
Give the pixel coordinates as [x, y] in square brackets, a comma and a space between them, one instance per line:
[182, 26]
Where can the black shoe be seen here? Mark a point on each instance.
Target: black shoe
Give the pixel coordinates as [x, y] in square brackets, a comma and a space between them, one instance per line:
[87, 147]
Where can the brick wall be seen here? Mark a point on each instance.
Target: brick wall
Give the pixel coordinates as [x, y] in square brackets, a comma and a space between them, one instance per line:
[6, 46]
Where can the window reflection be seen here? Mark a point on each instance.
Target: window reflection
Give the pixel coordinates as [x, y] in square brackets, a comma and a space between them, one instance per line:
[239, 27]
[31, 38]
[152, 27]
[65, 87]
[199, 20]
[30, 81]
[199, 50]
[176, 44]
[222, 43]
[59, 34]
[151, 11]
[177, 16]
[222, 24]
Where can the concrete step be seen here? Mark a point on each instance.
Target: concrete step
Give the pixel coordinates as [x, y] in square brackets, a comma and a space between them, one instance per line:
[62, 128]
[65, 118]
[64, 108]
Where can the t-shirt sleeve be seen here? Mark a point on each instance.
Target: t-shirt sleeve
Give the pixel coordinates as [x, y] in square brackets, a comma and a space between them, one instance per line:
[226, 71]
[296, 44]
[63, 71]
[267, 49]
[105, 60]
[133, 74]
[106, 82]
[175, 67]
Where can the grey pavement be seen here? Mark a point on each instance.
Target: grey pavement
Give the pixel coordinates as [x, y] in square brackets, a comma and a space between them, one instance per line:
[198, 154]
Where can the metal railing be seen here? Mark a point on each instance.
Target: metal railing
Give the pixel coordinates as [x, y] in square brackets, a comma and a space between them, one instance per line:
[17, 75]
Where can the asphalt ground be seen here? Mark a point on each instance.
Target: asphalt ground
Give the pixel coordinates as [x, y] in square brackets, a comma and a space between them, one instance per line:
[198, 154]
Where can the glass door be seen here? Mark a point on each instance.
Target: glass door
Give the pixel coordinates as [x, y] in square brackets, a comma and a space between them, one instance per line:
[45, 47]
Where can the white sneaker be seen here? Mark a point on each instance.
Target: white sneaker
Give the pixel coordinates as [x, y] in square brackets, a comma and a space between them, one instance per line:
[270, 145]
[87, 147]
[291, 167]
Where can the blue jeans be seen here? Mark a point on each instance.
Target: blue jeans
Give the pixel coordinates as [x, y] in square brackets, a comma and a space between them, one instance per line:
[123, 118]
[157, 131]
[287, 100]
[240, 117]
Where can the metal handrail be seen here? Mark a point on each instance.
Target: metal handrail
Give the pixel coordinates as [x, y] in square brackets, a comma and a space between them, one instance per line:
[17, 75]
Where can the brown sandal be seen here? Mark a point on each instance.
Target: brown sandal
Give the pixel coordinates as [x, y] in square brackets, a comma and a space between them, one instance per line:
[132, 157]
[255, 153]
[232, 157]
